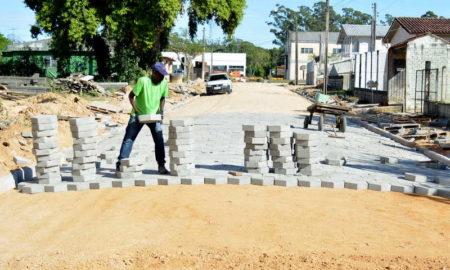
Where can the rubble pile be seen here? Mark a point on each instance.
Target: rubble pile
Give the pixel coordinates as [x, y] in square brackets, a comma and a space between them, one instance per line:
[78, 84]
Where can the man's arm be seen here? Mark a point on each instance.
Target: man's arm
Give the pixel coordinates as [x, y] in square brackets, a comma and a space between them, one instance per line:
[133, 102]
[162, 102]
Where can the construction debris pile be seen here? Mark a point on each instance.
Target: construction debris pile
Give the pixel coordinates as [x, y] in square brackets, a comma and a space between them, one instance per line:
[78, 84]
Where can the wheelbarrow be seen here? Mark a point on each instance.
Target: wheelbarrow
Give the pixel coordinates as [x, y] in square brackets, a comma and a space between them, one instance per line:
[326, 109]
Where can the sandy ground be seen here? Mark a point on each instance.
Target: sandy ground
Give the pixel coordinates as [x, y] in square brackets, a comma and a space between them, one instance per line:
[225, 227]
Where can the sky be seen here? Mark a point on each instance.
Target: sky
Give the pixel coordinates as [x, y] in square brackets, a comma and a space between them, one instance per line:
[16, 19]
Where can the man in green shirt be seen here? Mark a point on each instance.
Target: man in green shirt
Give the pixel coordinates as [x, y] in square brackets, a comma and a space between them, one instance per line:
[148, 97]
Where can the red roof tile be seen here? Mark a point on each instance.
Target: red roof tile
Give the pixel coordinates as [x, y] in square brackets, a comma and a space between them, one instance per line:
[425, 25]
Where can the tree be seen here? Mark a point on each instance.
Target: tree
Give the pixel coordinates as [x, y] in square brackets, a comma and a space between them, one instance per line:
[4, 42]
[388, 19]
[142, 26]
[284, 20]
[351, 16]
[319, 18]
[186, 49]
[431, 14]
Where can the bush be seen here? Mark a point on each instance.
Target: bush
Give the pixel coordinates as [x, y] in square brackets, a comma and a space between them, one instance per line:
[25, 65]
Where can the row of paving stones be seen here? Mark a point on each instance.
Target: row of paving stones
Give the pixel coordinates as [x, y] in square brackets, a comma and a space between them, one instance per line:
[398, 185]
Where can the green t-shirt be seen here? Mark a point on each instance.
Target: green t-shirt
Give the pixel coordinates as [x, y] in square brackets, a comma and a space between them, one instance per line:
[148, 95]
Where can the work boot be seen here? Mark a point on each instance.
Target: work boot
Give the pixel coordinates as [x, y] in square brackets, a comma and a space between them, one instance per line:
[118, 166]
[162, 170]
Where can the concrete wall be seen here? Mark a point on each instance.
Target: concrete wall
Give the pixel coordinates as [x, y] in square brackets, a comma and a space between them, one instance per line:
[367, 69]
[357, 45]
[400, 36]
[224, 59]
[443, 110]
[420, 50]
[369, 96]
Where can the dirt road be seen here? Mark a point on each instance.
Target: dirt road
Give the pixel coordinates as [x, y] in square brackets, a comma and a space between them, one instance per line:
[225, 227]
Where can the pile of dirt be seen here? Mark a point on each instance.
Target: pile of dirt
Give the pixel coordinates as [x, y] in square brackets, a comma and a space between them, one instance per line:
[11, 141]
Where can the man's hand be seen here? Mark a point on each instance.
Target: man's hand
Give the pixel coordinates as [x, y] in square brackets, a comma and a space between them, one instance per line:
[133, 102]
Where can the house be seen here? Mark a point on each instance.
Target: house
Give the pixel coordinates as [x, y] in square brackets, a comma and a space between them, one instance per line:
[418, 65]
[40, 50]
[356, 39]
[221, 62]
[310, 46]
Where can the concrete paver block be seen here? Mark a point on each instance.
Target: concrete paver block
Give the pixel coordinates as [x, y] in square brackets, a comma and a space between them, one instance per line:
[84, 172]
[331, 183]
[60, 187]
[357, 185]
[49, 180]
[286, 181]
[379, 186]
[127, 162]
[311, 183]
[176, 167]
[82, 160]
[250, 152]
[84, 178]
[263, 181]
[418, 178]
[286, 171]
[192, 180]
[181, 129]
[123, 183]
[85, 153]
[305, 136]
[256, 134]
[129, 174]
[134, 168]
[44, 119]
[45, 170]
[257, 170]
[444, 192]
[81, 121]
[283, 158]
[311, 170]
[84, 128]
[255, 158]
[44, 139]
[45, 133]
[33, 189]
[283, 134]
[45, 145]
[281, 153]
[100, 184]
[255, 140]
[216, 180]
[149, 118]
[78, 186]
[307, 153]
[239, 180]
[44, 127]
[45, 152]
[283, 165]
[21, 160]
[442, 180]
[257, 146]
[308, 143]
[335, 162]
[281, 141]
[280, 147]
[388, 160]
[169, 180]
[425, 189]
[403, 188]
[87, 140]
[309, 161]
[50, 163]
[84, 134]
[84, 147]
[254, 164]
[186, 172]
[279, 128]
[146, 182]
[254, 128]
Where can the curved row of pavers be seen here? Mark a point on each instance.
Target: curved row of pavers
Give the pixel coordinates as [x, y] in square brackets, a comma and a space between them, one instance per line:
[246, 179]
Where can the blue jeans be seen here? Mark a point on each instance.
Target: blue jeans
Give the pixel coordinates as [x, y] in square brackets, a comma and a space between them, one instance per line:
[131, 133]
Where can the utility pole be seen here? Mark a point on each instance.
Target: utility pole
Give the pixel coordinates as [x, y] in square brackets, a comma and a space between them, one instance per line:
[374, 28]
[327, 30]
[296, 51]
[203, 55]
[212, 50]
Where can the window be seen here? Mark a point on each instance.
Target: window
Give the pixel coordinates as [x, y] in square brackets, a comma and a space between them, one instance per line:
[220, 68]
[241, 68]
[307, 50]
[336, 51]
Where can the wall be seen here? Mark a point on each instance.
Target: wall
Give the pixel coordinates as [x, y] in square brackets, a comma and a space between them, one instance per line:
[369, 70]
[400, 36]
[372, 97]
[224, 59]
[443, 110]
[420, 50]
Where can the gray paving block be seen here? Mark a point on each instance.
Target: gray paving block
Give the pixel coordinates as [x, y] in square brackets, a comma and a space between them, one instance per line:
[44, 127]
[49, 180]
[307, 153]
[188, 129]
[279, 153]
[282, 158]
[149, 118]
[87, 140]
[44, 119]
[281, 141]
[286, 181]
[84, 178]
[444, 192]
[403, 188]
[169, 180]
[84, 172]
[55, 156]
[134, 168]
[127, 162]
[257, 146]
[21, 160]
[45, 170]
[216, 180]
[257, 170]
[239, 180]
[45, 133]
[255, 164]
[250, 152]
[85, 134]
[299, 136]
[78, 186]
[45, 152]
[45, 139]
[85, 153]
[85, 147]
[81, 121]
[176, 167]
[24, 184]
[379, 186]
[130, 175]
[254, 128]
[308, 143]
[123, 183]
[286, 171]
[83, 160]
[331, 183]
[258, 141]
[50, 163]
[263, 180]
[182, 122]
[425, 189]
[283, 134]
[60, 187]
[33, 189]
[283, 165]
[280, 147]
[192, 180]
[256, 158]
[26, 135]
[84, 128]
[279, 128]
[442, 180]
[309, 161]
[311, 170]
[357, 185]
[83, 166]
[187, 172]
[311, 183]
[100, 184]
[180, 136]
[418, 178]
[146, 182]
[335, 162]
[388, 160]
[256, 134]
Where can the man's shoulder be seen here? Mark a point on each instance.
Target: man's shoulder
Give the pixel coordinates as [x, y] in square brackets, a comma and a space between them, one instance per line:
[144, 79]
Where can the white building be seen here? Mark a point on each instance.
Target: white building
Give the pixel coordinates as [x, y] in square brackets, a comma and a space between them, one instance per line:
[355, 39]
[223, 62]
[310, 46]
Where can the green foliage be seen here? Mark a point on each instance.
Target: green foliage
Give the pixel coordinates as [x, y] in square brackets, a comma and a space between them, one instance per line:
[141, 26]
[186, 48]
[388, 19]
[311, 19]
[25, 65]
[4, 42]
[431, 14]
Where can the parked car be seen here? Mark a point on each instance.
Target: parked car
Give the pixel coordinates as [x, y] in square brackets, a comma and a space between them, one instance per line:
[219, 83]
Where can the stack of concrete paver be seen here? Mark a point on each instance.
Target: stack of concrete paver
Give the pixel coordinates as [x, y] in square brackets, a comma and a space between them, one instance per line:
[256, 146]
[181, 147]
[45, 148]
[84, 133]
[131, 167]
[307, 155]
[281, 150]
